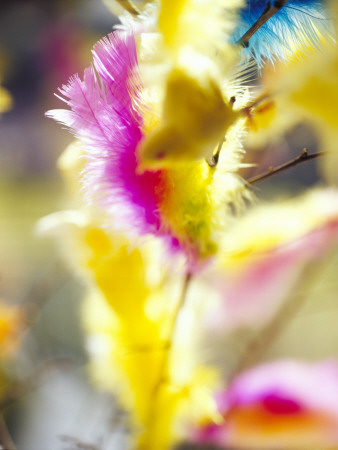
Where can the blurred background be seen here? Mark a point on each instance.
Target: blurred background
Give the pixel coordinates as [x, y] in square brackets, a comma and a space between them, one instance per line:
[42, 43]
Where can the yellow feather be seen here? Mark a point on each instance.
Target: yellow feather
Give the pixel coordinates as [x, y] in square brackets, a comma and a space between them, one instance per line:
[195, 118]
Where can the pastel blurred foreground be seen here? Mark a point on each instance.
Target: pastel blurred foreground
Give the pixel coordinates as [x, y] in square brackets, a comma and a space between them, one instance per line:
[194, 282]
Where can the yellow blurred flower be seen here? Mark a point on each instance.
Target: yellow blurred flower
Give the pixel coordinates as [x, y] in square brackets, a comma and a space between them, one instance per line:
[5, 100]
[11, 326]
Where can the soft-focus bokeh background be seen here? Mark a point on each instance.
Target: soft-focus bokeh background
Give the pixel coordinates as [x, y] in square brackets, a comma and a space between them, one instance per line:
[42, 43]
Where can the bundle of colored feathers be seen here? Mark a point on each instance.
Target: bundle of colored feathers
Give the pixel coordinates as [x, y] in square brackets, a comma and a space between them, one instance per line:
[163, 234]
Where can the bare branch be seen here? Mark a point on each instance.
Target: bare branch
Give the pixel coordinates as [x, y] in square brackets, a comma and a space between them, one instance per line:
[129, 6]
[262, 341]
[269, 11]
[171, 330]
[304, 156]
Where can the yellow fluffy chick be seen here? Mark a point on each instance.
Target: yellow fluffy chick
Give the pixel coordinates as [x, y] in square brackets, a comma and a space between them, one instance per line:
[194, 120]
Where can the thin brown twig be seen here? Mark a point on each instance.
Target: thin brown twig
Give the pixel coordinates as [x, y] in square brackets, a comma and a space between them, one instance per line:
[166, 355]
[245, 112]
[268, 12]
[213, 161]
[261, 342]
[129, 7]
[171, 330]
[304, 156]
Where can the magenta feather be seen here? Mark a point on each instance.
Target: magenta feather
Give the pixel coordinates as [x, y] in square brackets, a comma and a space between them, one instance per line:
[104, 119]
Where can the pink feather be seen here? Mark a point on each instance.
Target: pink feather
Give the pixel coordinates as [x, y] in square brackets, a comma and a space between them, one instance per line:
[104, 118]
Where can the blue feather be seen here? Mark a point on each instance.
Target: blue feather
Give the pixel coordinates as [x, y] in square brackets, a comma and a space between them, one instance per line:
[298, 22]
